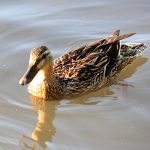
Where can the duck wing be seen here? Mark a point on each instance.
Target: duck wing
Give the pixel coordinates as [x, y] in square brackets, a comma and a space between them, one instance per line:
[83, 68]
[91, 57]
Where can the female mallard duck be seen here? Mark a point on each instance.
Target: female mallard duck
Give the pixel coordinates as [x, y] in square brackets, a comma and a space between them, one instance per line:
[79, 71]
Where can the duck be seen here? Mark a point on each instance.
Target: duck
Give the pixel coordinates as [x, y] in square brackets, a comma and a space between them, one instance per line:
[81, 70]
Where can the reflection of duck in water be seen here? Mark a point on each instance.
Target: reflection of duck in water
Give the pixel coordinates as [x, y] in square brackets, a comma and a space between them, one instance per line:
[84, 69]
[44, 130]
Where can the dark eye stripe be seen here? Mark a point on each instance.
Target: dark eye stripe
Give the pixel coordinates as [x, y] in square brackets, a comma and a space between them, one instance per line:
[43, 56]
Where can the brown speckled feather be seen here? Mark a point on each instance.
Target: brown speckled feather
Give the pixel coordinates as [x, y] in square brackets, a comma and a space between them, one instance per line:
[71, 64]
[81, 70]
[78, 69]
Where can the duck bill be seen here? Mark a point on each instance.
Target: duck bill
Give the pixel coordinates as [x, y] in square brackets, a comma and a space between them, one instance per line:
[28, 76]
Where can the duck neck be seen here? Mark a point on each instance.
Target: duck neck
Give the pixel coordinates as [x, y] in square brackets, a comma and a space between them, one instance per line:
[45, 84]
[46, 72]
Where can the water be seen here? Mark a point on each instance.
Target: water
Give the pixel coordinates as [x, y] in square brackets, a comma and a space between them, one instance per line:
[116, 117]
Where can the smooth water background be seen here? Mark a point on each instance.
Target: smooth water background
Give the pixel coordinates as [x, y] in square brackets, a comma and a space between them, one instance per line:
[116, 117]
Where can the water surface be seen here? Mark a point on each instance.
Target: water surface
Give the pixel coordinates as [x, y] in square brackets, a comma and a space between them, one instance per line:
[116, 117]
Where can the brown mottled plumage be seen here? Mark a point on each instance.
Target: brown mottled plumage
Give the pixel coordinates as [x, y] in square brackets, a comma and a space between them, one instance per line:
[81, 70]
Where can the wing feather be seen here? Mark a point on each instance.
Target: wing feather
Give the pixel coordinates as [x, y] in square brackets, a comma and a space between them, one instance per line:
[93, 56]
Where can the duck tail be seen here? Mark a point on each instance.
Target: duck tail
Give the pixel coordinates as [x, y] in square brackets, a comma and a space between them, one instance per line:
[132, 49]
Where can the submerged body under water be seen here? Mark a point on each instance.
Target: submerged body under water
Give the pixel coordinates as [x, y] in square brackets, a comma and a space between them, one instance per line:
[115, 117]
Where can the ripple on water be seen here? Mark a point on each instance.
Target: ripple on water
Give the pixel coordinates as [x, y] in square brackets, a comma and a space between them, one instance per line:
[116, 117]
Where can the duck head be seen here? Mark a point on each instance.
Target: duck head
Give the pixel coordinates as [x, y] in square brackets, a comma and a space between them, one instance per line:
[39, 57]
